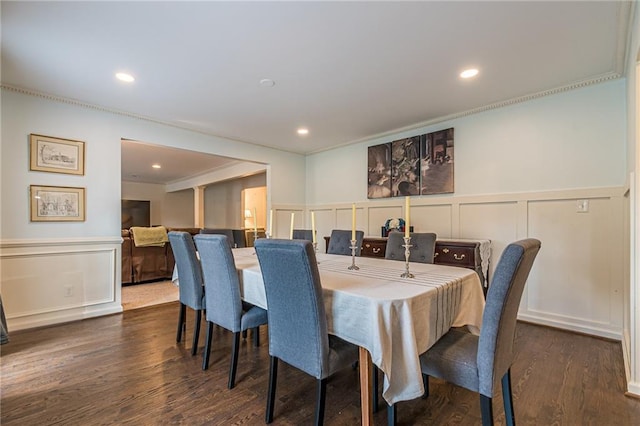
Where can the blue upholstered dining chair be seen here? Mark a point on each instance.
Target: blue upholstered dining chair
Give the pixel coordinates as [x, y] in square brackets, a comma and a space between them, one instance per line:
[423, 247]
[297, 320]
[222, 295]
[340, 242]
[191, 288]
[481, 363]
[303, 234]
[228, 232]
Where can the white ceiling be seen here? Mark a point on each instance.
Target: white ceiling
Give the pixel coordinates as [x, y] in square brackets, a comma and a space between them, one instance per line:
[345, 70]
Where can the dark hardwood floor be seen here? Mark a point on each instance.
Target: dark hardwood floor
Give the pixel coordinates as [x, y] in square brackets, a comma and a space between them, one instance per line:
[128, 369]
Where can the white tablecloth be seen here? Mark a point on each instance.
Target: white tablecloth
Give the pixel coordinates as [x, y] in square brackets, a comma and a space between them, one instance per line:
[395, 319]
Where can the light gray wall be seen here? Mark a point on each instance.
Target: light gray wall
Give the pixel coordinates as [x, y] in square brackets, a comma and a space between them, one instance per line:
[573, 139]
[172, 209]
[102, 132]
[39, 261]
[223, 201]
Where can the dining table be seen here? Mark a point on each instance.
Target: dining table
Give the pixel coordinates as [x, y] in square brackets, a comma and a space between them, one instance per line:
[390, 318]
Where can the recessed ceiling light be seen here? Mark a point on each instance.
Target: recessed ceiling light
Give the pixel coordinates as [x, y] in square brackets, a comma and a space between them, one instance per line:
[156, 166]
[303, 131]
[267, 82]
[471, 72]
[123, 76]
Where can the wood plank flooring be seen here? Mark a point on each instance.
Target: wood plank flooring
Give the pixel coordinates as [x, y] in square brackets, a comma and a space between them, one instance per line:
[128, 369]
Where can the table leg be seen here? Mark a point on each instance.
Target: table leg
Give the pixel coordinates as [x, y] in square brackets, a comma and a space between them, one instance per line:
[366, 398]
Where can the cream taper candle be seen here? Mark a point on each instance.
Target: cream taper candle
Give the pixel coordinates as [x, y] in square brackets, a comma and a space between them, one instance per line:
[407, 213]
[353, 221]
[271, 222]
[255, 221]
[291, 229]
[313, 226]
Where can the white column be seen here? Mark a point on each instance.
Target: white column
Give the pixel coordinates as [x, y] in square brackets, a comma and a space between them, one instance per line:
[198, 206]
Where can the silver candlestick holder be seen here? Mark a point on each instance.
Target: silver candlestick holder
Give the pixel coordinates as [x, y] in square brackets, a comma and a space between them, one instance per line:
[353, 247]
[315, 251]
[267, 235]
[255, 235]
[407, 253]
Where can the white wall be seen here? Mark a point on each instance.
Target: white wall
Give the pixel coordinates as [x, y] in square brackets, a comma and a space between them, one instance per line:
[223, 201]
[171, 209]
[519, 171]
[631, 332]
[574, 139]
[86, 250]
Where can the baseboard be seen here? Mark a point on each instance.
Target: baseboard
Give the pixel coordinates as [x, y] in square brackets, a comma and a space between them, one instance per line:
[60, 317]
[592, 330]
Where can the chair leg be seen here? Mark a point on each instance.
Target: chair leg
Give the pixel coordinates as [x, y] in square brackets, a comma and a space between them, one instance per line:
[256, 336]
[322, 391]
[391, 415]
[486, 410]
[271, 393]
[181, 321]
[196, 332]
[234, 360]
[244, 334]
[508, 399]
[207, 346]
[425, 384]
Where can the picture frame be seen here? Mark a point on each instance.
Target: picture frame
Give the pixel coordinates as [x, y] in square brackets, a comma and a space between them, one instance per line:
[56, 155]
[379, 171]
[57, 203]
[437, 159]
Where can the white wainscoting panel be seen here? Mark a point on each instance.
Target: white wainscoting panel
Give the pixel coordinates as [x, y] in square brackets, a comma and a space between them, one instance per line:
[499, 220]
[378, 217]
[432, 218]
[577, 282]
[572, 282]
[344, 219]
[48, 282]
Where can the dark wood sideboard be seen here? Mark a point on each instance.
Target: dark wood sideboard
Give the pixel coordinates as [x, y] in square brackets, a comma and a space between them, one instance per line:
[465, 254]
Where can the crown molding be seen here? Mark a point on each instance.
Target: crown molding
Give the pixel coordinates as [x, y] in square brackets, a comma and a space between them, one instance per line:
[576, 85]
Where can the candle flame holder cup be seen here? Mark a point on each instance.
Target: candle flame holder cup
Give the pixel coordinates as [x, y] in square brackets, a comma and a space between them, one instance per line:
[407, 252]
[353, 247]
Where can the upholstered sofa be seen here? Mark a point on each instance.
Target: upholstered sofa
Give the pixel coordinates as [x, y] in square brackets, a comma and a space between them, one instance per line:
[150, 263]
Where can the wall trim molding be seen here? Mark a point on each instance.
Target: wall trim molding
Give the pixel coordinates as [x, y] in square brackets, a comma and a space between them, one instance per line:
[586, 328]
[55, 242]
[572, 86]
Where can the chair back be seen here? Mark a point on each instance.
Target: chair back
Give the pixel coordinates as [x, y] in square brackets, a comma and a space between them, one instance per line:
[340, 242]
[227, 232]
[495, 345]
[303, 234]
[297, 321]
[221, 282]
[423, 247]
[189, 272]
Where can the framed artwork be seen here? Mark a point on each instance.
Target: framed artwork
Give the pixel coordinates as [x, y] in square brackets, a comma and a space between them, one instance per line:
[55, 155]
[57, 204]
[405, 167]
[379, 171]
[436, 158]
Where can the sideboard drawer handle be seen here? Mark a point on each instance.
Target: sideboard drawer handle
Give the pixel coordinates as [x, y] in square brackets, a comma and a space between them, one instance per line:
[456, 257]
[376, 250]
[445, 250]
[367, 245]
